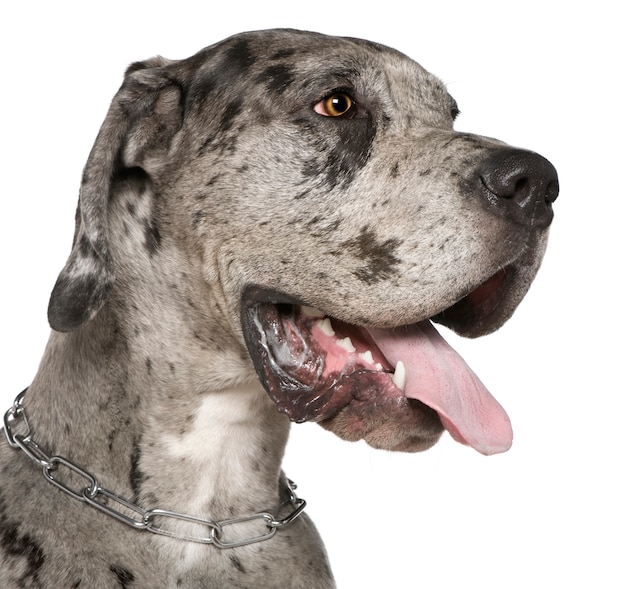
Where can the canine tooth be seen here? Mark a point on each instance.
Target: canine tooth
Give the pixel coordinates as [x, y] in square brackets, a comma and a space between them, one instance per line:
[367, 357]
[346, 344]
[312, 312]
[399, 376]
[326, 326]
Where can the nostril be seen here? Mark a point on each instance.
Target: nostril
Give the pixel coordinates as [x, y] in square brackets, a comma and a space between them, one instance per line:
[507, 184]
[520, 191]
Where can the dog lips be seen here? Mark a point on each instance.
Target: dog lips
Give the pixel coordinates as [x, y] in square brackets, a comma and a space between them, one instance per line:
[438, 377]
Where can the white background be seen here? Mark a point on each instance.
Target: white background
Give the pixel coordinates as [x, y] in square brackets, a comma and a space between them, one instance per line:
[543, 75]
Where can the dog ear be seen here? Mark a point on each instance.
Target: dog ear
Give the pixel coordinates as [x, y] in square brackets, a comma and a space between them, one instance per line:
[143, 117]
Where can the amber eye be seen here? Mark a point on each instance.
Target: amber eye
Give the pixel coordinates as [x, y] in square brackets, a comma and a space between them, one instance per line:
[335, 105]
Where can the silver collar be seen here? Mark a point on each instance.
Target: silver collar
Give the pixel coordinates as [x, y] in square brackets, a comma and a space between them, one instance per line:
[222, 534]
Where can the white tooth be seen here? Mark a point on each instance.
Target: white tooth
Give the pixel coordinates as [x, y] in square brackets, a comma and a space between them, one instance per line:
[326, 326]
[346, 344]
[399, 376]
[312, 312]
[367, 357]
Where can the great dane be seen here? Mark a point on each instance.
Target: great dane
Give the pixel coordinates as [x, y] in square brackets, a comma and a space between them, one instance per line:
[265, 232]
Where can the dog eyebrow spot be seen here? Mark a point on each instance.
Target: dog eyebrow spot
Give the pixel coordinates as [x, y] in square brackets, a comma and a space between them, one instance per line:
[234, 65]
[240, 56]
[277, 77]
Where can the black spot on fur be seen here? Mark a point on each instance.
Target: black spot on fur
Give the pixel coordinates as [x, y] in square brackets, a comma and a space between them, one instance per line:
[204, 85]
[220, 140]
[124, 577]
[347, 158]
[341, 158]
[210, 182]
[208, 142]
[85, 248]
[111, 438]
[240, 56]
[137, 477]
[152, 237]
[198, 218]
[378, 256]
[230, 114]
[220, 74]
[277, 77]
[312, 167]
[237, 564]
[21, 546]
[302, 195]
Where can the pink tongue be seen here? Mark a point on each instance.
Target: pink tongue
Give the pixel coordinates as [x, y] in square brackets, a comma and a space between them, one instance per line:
[438, 377]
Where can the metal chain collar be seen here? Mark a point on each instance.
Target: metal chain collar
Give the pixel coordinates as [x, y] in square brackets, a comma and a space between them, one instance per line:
[129, 513]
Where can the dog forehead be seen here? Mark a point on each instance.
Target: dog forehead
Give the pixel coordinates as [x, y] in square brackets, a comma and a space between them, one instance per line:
[289, 63]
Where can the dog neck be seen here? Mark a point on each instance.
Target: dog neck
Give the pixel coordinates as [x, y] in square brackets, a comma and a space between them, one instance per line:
[168, 433]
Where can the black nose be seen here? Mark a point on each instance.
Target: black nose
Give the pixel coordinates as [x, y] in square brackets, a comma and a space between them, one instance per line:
[520, 185]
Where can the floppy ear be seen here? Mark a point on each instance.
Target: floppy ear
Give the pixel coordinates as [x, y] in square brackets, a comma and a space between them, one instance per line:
[143, 117]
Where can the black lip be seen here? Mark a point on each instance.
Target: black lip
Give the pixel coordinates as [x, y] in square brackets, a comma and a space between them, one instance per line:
[293, 386]
[472, 318]
[254, 295]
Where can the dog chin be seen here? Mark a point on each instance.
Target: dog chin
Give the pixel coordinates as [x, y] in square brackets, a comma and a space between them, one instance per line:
[395, 388]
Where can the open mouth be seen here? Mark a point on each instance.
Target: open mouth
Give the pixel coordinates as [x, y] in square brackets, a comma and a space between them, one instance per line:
[372, 380]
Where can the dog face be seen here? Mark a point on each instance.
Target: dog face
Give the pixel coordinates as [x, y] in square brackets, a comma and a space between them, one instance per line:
[317, 187]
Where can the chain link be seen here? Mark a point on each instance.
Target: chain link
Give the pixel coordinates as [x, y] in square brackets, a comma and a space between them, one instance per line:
[59, 470]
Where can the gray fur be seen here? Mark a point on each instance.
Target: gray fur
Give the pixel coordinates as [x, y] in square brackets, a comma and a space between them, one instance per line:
[211, 174]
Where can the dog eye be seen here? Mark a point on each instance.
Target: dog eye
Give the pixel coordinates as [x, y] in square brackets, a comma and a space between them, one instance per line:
[338, 104]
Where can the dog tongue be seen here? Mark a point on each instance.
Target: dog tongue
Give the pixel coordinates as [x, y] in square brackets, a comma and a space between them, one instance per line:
[438, 377]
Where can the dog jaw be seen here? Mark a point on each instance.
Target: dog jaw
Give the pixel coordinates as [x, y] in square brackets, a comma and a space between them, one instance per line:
[397, 388]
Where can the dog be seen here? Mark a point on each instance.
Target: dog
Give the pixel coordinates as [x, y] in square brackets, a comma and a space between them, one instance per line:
[265, 233]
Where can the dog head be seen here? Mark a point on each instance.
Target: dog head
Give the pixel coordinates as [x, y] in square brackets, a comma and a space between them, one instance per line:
[320, 190]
